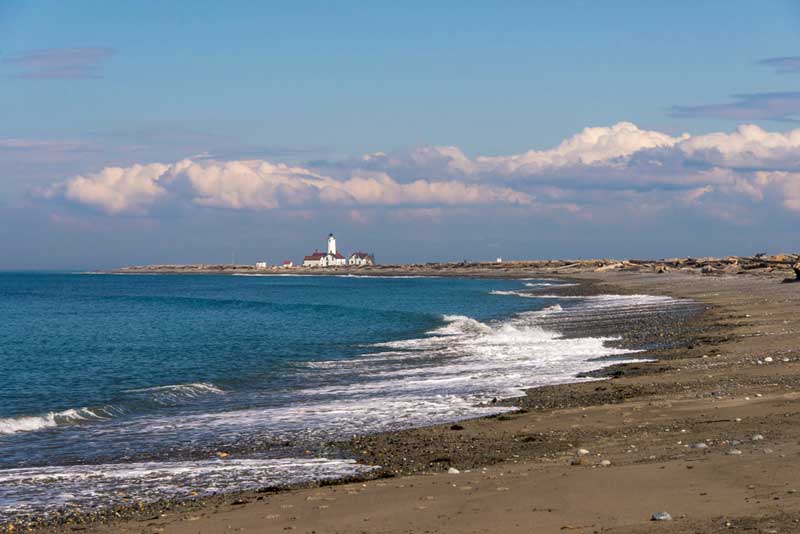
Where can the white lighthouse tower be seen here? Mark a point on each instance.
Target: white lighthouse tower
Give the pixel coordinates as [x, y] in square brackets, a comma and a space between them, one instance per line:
[331, 245]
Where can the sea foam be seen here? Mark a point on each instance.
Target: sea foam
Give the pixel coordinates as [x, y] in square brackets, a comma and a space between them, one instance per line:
[28, 423]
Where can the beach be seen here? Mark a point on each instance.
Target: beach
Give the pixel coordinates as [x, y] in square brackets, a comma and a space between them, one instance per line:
[708, 433]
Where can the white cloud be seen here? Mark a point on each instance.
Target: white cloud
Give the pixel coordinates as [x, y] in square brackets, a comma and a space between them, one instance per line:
[749, 146]
[119, 190]
[608, 148]
[787, 185]
[259, 184]
[602, 168]
[742, 166]
[592, 146]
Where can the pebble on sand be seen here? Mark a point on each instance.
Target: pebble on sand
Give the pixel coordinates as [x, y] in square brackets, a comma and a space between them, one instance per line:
[757, 437]
[605, 463]
[661, 516]
[582, 452]
[453, 471]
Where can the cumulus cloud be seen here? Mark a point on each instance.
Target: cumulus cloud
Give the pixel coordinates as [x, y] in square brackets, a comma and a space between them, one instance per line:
[60, 63]
[262, 185]
[592, 146]
[749, 146]
[785, 184]
[588, 169]
[599, 169]
[116, 189]
[618, 156]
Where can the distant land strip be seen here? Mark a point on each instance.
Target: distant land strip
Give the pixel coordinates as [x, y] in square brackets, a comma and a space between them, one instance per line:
[760, 264]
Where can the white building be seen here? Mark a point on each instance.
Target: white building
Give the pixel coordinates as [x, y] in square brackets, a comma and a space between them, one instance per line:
[321, 259]
[261, 265]
[361, 258]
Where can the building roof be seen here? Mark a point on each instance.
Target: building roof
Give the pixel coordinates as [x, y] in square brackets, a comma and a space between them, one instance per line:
[316, 256]
[360, 255]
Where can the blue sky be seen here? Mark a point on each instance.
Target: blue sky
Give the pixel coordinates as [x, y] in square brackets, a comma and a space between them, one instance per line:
[90, 85]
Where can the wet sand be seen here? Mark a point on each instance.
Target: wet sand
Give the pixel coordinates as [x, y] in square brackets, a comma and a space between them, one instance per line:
[589, 457]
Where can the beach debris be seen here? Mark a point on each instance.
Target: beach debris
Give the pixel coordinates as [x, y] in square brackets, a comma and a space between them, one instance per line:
[453, 471]
[700, 445]
[582, 452]
[660, 516]
[456, 427]
[734, 452]
[796, 269]
[605, 463]
[768, 359]
[222, 454]
[757, 437]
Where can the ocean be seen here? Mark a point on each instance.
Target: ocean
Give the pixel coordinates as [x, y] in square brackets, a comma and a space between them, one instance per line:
[116, 389]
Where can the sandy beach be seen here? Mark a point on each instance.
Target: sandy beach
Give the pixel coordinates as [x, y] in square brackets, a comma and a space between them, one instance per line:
[709, 433]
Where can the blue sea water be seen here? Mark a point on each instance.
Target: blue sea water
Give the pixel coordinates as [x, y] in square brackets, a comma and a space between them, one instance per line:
[122, 387]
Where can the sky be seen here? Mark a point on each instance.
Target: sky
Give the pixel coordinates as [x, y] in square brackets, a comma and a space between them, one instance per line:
[173, 132]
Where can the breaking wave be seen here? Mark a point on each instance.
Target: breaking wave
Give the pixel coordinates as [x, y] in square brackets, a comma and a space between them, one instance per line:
[137, 398]
[549, 284]
[29, 423]
[24, 490]
[454, 370]
[178, 392]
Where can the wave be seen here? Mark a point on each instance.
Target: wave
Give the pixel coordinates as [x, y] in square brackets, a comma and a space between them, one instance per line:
[514, 293]
[30, 423]
[597, 300]
[272, 275]
[54, 487]
[549, 284]
[160, 395]
[177, 392]
[383, 277]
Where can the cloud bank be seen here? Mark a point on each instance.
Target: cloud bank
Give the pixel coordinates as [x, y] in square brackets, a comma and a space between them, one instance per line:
[262, 185]
[598, 172]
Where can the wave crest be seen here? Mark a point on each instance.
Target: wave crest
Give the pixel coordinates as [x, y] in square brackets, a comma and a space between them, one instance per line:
[30, 423]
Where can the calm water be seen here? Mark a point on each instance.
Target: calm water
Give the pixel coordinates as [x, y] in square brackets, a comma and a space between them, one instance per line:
[121, 387]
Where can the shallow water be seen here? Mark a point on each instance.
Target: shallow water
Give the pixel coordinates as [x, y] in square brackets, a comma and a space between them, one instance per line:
[115, 388]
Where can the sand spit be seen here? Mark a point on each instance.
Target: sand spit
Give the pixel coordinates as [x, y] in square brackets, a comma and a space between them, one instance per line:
[709, 433]
[760, 264]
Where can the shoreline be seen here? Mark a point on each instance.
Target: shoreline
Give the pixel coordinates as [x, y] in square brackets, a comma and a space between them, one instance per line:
[628, 383]
[761, 265]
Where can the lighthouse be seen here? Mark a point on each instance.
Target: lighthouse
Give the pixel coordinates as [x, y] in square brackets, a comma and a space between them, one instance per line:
[332, 258]
[331, 245]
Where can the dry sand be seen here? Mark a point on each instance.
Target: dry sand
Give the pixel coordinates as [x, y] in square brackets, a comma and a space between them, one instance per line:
[646, 422]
